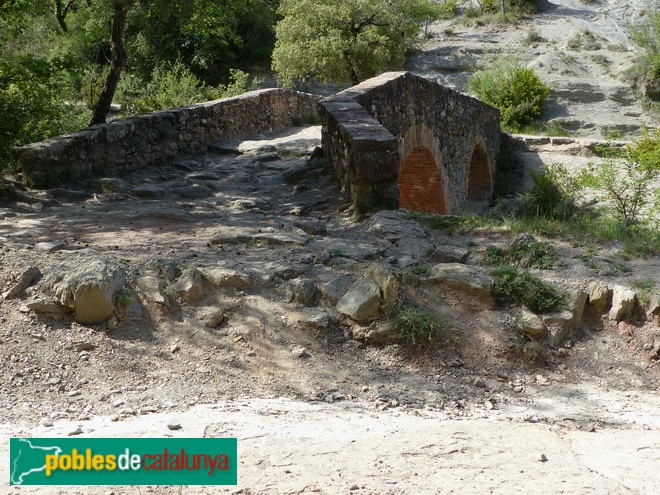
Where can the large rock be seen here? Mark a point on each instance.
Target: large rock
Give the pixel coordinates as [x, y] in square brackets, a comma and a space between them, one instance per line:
[654, 305]
[302, 291]
[600, 296]
[472, 280]
[226, 278]
[335, 288]
[113, 185]
[449, 254]
[531, 325]
[382, 332]
[87, 286]
[576, 304]
[623, 303]
[362, 301]
[189, 286]
[149, 288]
[558, 325]
[47, 307]
[388, 283]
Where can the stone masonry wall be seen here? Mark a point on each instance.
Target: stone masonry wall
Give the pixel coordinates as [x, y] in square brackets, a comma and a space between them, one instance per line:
[124, 145]
[371, 129]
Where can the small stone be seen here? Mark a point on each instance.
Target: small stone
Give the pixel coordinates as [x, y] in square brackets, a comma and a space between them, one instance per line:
[303, 291]
[354, 487]
[51, 247]
[320, 320]
[23, 281]
[174, 348]
[118, 403]
[189, 286]
[543, 458]
[149, 288]
[80, 345]
[300, 353]
[226, 278]
[74, 393]
[216, 319]
[112, 323]
[174, 426]
[75, 432]
[362, 301]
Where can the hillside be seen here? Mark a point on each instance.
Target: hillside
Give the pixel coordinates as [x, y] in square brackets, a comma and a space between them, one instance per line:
[582, 49]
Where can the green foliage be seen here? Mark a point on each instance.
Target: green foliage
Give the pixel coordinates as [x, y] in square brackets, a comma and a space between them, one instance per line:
[532, 37]
[417, 325]
[584, 40]
[533, 254]
[626, 177]
[174, 85]
[646, 35]
[450, 222]
[33, 104]
[513, 88]
[552, 197]
[448, 9]
[346, 41]
[125, 296]
[519, 287]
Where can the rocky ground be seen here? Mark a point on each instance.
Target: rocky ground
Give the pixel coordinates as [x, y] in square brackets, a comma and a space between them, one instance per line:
[221, 280]
[582, 49]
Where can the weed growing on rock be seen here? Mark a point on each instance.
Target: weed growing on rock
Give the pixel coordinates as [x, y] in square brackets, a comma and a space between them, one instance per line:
[417, 325]
[513, 286]
[533, 254]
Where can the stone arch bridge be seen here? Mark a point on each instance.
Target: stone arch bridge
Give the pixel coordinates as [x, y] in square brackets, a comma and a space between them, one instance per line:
[401, 140]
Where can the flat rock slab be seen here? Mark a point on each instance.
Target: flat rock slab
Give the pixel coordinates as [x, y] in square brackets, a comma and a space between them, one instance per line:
[386, 451]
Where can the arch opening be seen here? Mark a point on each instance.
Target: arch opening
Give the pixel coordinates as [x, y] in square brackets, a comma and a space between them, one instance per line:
[421, 186]
[479, 180]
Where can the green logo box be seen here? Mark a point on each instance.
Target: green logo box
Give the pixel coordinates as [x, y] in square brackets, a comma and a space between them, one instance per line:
[123, 461]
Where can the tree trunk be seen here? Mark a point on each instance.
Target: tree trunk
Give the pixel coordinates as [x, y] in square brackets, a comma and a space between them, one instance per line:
[117, 63]
[504, 6]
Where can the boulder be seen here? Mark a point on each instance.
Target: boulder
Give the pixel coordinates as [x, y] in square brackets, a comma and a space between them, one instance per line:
[472, 280]
[226, 278]
[47, 307]
[320, 320]
[302, 291]
[449, 254]
[654, 305]
[149, 289]
[558, 325]
[531, 325]
[623, 303]
[189, 286]
[577, 301]
[335, 288]
[87, 286]
[113, 185]
[382, 332]
[362, 301]
[600, 296]
[388, 283]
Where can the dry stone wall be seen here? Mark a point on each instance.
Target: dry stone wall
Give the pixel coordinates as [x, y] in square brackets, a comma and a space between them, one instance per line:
[401, 140]
[125, 145]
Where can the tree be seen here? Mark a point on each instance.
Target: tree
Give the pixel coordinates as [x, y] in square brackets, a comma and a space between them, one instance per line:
[349, 40]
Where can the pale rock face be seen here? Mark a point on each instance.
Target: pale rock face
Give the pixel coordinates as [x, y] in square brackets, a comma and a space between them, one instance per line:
[623, 303]
[531, 324]
[472, 280]
[87, 286]
[576, 304]
[149, 288]
[362, 301]
[600, 296]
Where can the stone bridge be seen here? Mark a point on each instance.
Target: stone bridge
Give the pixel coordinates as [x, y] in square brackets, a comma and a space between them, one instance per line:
[399, 140]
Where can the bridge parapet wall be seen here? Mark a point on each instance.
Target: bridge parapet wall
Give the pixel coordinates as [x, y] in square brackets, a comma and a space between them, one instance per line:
[129, 144]
[418, 114]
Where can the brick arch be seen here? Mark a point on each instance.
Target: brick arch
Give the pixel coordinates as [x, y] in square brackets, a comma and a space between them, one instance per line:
[421, 186]
[480, 184]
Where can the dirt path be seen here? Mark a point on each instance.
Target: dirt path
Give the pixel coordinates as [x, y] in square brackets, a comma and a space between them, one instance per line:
[288, 447]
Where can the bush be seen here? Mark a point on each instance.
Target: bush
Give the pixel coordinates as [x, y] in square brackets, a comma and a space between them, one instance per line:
[513, 88]
[532, 254]
[646, 35]
[417, 325]
[34, 104]
[626, 177]
[174, 85]
[519, 287]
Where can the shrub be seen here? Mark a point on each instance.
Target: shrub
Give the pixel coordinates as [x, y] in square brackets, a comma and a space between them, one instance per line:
[34, 104]
[532, 254]
[519, 287]
[513, 88]
[646, 35]
[174, 85]
[626, 177]
[417, 325]
[448, 9]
